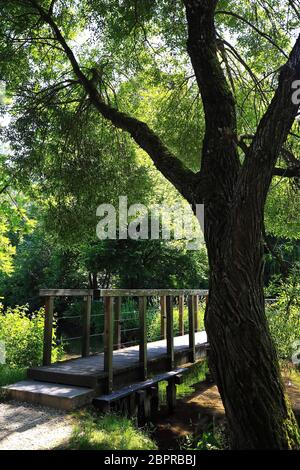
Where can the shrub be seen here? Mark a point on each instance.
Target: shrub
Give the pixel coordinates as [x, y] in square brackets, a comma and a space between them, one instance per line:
[23, 335]
[284, 328]
[207, 441]
[284, 315]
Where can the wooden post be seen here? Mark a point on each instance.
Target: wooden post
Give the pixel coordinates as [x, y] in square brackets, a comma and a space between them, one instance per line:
[108, 341]
[48, 325]
[143, 337]
[144, 407]
[170, 332]
[180, 317]
[154, 398]
[171, 394]
[163, 316]
[133, 405]
[117, 312]
[196, 312]
[86, 326]
[191, 328]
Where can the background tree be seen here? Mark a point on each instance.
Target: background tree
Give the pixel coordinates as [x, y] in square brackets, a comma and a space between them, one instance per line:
[15, 219]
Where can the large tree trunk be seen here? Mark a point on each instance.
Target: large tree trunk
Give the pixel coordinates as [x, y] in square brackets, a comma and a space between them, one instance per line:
[244, 361]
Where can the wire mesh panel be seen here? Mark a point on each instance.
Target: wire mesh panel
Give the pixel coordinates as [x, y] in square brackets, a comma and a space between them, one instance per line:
[127, 327]
[70, 327]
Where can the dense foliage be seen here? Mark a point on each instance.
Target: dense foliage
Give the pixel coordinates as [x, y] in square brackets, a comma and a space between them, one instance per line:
[67, 159]
[23, 337]
[284, 314]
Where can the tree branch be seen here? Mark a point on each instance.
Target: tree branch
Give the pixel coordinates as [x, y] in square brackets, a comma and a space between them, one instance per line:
[287, 172]
[2, 190]
[171, 167]
[294, 7]
[290, 158]
[267, 144]
[258, 31]
[254, 78]
[293, 169]
[219, 155]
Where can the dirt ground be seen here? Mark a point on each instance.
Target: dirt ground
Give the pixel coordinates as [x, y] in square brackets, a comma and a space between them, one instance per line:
[201, 412]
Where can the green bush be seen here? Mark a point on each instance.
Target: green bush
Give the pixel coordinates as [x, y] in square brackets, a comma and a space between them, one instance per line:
[284, 328]
[206, 441]
[284, 315]
[23, 335]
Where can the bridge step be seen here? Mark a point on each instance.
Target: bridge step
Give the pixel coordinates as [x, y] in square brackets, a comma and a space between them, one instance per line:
[63, 397]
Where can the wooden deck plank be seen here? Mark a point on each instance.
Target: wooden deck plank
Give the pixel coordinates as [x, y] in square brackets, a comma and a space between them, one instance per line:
[122, 358]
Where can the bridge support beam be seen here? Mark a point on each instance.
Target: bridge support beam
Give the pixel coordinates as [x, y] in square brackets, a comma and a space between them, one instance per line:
[191, 328]
[86, 326]
[117, 313]
[170, 332]
[48, 326]
[143, 337]
[181, 314]
[163, 316]
[108, 341]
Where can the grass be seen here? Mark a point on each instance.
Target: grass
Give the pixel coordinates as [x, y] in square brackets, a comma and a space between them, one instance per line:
[195, 375]
[9, 375]
[108, 432]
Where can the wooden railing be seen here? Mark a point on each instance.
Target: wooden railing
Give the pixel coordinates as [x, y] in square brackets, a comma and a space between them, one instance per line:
[112, 321]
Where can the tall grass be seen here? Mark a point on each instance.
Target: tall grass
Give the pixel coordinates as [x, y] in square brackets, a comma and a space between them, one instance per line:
[108, 432]
[9, 375]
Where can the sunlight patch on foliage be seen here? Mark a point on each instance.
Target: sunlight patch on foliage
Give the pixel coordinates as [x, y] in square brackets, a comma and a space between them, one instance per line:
[108, 432]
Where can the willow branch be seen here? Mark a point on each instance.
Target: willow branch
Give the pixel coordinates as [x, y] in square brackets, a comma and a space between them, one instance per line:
[170, 166]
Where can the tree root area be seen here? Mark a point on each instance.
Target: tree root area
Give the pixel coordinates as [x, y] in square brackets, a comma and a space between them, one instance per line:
[202, 412]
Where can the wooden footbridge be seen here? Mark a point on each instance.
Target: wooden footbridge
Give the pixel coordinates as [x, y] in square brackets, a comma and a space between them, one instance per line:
[119, 373]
